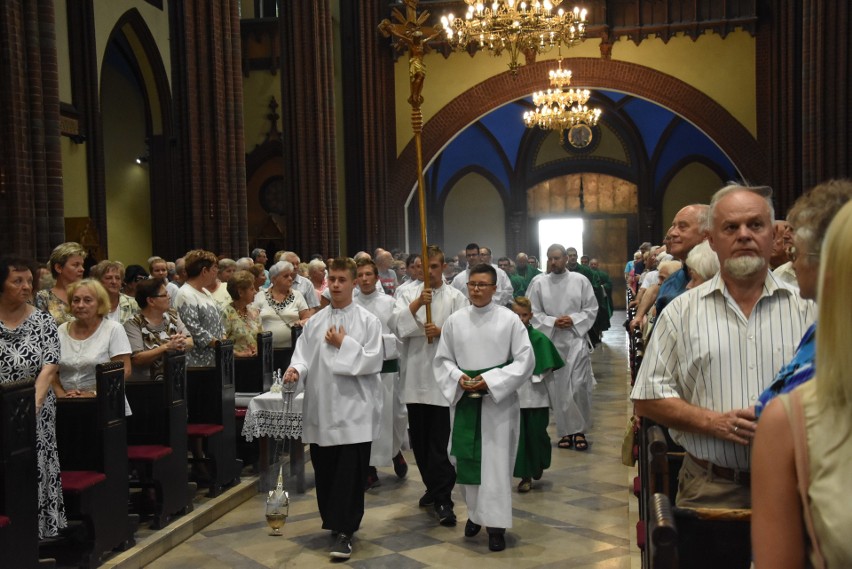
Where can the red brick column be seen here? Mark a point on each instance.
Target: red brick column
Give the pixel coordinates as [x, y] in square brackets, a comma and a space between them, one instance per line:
[209, 109]
[31, 207]
[308, 127]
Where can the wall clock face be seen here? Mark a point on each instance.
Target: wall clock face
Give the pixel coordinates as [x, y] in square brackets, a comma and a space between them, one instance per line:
[580, 135]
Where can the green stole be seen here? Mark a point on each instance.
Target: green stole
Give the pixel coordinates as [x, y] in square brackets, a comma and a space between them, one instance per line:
[467, 434]
[546, 355]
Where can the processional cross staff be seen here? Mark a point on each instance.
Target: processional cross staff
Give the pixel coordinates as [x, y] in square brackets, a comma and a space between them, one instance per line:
[410, 32]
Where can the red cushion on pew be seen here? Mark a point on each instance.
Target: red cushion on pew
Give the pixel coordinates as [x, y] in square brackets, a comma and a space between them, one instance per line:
[147, 452]
[640, 534]
[203, 429]
[75, 481]
[240, 412]
[637, 486]
[4, 521]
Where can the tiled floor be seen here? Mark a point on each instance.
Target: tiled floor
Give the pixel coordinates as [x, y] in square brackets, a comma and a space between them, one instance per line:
[580, 515]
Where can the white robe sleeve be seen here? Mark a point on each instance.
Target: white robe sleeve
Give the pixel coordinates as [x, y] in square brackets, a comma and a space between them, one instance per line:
[542, 321]
[402, 322]
[354, 359]
[504, 381]
[505, 292]
[447, 372]
[584, 319]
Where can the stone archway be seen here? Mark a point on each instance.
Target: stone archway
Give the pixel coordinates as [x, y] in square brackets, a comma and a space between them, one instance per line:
[731, 136]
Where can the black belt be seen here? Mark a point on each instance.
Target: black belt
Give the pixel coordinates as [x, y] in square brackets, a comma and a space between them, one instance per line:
[739, 476]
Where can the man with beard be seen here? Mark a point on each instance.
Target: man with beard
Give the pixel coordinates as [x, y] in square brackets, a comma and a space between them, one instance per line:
[564, 310]
[716, 347]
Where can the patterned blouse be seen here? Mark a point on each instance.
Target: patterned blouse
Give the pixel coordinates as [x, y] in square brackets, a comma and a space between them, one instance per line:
[144, 336]
[47, 301]
[242, 330]
[200, 314]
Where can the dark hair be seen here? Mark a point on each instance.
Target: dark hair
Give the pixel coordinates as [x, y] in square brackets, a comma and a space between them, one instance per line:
[9, 264]
[343, 264]
[146, 289]
[410, 259]
[135, 273]
[484, 269]
[367, 263]
[197, 260]
[472, 246]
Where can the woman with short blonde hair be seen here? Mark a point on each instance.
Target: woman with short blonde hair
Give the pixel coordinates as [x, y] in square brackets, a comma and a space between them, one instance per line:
[66, 266]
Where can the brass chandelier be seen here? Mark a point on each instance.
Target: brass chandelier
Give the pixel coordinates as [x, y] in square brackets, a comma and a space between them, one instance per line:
[563, 109]
[515, 27]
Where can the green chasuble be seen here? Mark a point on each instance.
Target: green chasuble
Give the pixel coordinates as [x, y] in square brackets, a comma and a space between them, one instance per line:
[467, 434]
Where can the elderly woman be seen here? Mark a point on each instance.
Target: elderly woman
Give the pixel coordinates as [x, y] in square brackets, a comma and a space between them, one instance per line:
[809, 217]
[316, 273]
[155, 329]
[259, 274]
[133, 275]
[703, 264]
[281, 307]
[219, 289]
[29, 349]
[242, 322]
[197, 309]
[66, 265]
[802, 457]
[89, 340]
[109, 274]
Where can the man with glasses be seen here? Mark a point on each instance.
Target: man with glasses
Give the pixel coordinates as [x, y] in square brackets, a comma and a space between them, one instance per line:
[564, 310]
[428, 410]
[503, 295]
[484, 356]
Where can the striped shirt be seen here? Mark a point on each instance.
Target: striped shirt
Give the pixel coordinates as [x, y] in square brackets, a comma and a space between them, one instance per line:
[705, 351]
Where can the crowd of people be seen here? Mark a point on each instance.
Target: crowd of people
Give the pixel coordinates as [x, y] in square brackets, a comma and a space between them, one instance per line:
[467, 387]
[733, 367]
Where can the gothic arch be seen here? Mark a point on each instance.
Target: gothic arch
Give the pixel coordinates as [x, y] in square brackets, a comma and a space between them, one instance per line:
[725, 130]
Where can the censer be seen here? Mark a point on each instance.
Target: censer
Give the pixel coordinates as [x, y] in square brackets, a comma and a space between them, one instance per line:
[277, 505]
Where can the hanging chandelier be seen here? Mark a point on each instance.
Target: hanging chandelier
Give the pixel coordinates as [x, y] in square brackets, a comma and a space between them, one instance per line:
[515, 27]
[563, 109]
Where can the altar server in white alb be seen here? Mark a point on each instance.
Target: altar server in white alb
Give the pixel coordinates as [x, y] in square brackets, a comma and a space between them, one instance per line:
[387, 448]
[484, 351]
[337, 362]
[564, 310]
[428, 410]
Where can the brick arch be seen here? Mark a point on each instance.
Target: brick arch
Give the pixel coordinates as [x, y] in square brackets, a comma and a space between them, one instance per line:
[683, 99]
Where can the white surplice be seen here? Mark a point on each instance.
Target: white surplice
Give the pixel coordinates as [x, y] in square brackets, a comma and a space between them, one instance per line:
[417, 355]
[570, 388]
[394, 413]
[343, 391]
[478, 338]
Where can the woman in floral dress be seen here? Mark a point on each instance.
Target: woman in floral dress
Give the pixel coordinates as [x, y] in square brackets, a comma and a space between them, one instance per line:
[29, 348]
[242, 322]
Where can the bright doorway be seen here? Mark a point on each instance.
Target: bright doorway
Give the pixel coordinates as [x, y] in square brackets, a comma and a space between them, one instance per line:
[567, 231]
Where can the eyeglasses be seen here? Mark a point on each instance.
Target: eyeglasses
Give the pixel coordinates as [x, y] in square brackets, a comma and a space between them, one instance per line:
[793, 254]
[159, 295]
[480, 285]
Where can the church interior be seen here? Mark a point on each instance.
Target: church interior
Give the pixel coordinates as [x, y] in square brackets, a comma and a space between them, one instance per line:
[152, 127]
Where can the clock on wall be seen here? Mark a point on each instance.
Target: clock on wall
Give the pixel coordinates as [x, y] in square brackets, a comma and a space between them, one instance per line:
[580, 135]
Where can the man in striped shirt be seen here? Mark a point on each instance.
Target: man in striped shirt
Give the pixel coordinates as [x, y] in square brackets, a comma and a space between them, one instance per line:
[716, 347]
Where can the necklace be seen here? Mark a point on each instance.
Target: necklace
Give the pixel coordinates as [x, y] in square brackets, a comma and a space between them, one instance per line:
[279, 306]
[243, 313]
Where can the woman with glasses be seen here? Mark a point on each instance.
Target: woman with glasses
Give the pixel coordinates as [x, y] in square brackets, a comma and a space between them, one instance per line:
[155, 329]
[809, 218]
[110, 274]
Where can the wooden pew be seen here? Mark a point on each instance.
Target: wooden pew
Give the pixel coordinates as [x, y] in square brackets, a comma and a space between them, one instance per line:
[662, 533]
[92, 439]
[19, 477]
[157, 440]
[210, 401]
[252, 376]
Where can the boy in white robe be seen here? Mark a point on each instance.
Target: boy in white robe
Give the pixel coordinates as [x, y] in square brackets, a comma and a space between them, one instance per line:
[428, 410]
[564, 310]
[387, 449]
[485, 350]
[337, 362]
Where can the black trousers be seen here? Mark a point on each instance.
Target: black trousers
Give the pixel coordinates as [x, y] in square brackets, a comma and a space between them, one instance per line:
[340, 472]
[429, 426]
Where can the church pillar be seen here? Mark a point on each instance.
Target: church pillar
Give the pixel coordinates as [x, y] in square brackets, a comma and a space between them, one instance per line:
[368, 128]
[31, 215]
[308, 125]
[208, 94]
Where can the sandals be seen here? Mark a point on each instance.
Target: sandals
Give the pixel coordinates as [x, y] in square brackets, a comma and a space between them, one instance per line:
[580, 442]
[525, 485]
[566, 442]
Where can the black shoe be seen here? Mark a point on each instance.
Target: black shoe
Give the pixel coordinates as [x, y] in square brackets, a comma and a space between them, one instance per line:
[496, 541]
[372, 479]
[471, 529]
[426, 500]
[342, 548]
[399, 465]
[446, 516]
